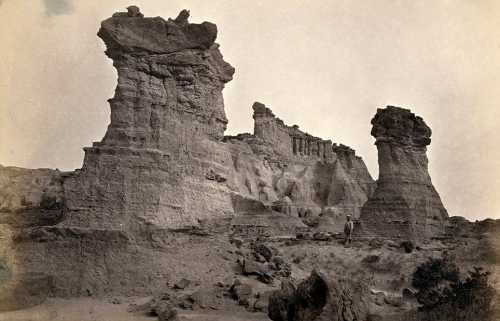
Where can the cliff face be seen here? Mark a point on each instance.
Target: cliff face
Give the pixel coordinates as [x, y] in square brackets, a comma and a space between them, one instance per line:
[314, 174]
[405, 203]
[30, 197]
[162, 164]
[167, 116]
[165, 166]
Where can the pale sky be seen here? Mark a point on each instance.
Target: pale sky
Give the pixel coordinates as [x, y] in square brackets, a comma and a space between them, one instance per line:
[324, 65]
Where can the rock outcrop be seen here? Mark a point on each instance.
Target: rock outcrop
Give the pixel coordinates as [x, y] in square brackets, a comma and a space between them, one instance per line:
[162, 164]
[167, 116]
[318, 298]
[405, 203]
[167, 205]
[30, 197]
[316, 175]
[164, 167]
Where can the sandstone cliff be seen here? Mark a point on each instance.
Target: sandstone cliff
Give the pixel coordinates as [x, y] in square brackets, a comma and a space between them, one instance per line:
[210, 224]
[314, 174]
[164, 166]
[167, 116]
[405, 203]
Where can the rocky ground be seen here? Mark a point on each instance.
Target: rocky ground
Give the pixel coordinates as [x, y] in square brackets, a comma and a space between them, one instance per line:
[373, 275]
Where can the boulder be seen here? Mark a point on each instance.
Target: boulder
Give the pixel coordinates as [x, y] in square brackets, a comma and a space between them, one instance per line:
[322, 236]
[207, 298]
[165, 311]
[182, 284]
[266, 251]
[261, 271]
[262, 301]
[241, 292]
[318, 298]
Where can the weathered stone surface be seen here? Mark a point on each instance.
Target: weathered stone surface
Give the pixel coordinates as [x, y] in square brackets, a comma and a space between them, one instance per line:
[297, 171]
[166, 312]
[241, 292]
[405, 203]
[318, 298]
[160, 163]
[285, 206]
[30, 197]
[164, 165]
[154, 35]
[182, 284]
[169, 72]
[166, 198]
[260, 270]
[24, 291]
[207, 298]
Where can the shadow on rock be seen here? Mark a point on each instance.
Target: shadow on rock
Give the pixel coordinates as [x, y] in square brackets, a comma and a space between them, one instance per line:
[318, 298]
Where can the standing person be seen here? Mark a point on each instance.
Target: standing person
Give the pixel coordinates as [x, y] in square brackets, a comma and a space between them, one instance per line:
[348, 229]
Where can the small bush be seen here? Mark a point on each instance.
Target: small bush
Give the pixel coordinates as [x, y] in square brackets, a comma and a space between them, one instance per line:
[432, 279]
[444, 296]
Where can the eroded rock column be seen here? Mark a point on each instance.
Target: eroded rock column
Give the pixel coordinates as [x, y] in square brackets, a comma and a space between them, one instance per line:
[405, 203]
[167, 117]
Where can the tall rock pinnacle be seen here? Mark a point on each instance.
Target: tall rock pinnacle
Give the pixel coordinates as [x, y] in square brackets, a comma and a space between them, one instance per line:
[167, 121]
[164, 66]
[405, 203]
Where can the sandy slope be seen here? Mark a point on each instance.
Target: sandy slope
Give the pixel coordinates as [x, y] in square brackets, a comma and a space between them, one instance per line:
[84, 309]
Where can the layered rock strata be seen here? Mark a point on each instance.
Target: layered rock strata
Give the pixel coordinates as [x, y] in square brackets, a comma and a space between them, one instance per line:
[167, 116]
[164, 166]
[405, 203]
[309, 173]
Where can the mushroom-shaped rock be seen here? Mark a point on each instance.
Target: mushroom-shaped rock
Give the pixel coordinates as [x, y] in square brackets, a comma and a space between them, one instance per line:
[405, 203]
[169, 63]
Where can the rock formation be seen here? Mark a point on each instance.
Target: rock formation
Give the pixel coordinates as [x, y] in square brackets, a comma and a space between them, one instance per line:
[164, 166]
[166, 118]
[211, 225]
[405, 203]
[30, 197]
[315, 174]
[318, 298]
[292, 172]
